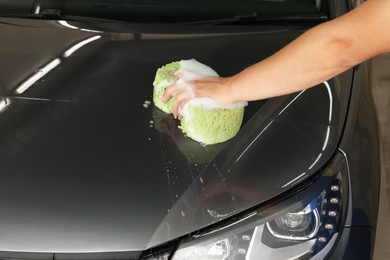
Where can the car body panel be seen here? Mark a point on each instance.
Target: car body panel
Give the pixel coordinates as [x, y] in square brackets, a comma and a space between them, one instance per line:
[362, 147]
[83, 152]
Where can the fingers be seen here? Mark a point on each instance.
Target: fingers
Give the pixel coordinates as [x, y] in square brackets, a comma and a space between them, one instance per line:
[173, 88]
[171, 92]
[178, 104]
[181, 92]
[177, 74]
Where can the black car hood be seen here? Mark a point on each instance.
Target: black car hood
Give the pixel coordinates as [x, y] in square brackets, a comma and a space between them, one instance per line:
[89, 165]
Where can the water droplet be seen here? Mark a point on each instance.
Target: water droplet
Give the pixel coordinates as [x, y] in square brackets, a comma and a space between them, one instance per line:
[183, 214]
[146, 103]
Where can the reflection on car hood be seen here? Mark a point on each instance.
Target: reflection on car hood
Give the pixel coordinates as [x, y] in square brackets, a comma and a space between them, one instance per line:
[90, 165]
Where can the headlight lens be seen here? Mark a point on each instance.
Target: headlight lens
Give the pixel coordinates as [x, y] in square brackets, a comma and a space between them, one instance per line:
[299, 227]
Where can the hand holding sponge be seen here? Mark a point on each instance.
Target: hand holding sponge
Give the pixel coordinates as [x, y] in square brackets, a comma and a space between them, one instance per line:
[203, 119]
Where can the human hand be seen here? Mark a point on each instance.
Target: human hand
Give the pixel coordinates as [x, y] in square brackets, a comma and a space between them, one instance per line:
[184, 90]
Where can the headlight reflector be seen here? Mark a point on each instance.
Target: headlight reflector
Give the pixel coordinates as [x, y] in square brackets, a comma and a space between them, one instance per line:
[300, 225]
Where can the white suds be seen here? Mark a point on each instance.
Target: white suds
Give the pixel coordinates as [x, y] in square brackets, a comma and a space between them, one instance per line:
[192, 70]
[209, 104]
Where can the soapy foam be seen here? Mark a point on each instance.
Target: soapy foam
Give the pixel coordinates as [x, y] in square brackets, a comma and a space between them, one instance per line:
[208, 103]
[193, 70]
[196, 69]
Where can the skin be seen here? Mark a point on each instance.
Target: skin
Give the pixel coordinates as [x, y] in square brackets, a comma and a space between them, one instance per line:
[317, 55]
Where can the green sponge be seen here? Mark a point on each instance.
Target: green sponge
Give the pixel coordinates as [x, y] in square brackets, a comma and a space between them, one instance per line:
[162, 81]
[210, 125]
[203, 119]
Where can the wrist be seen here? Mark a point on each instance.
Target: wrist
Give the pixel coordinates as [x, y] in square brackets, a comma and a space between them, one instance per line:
[231, 90]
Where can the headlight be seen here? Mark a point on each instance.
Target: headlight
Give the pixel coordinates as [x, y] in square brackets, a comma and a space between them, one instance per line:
[302, 226]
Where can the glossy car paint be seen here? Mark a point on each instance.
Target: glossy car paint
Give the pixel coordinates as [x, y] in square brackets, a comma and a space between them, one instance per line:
[361, 146]
[88, 165]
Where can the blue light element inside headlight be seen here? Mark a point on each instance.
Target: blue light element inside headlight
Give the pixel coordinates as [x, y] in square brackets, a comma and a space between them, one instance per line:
[301, 227]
